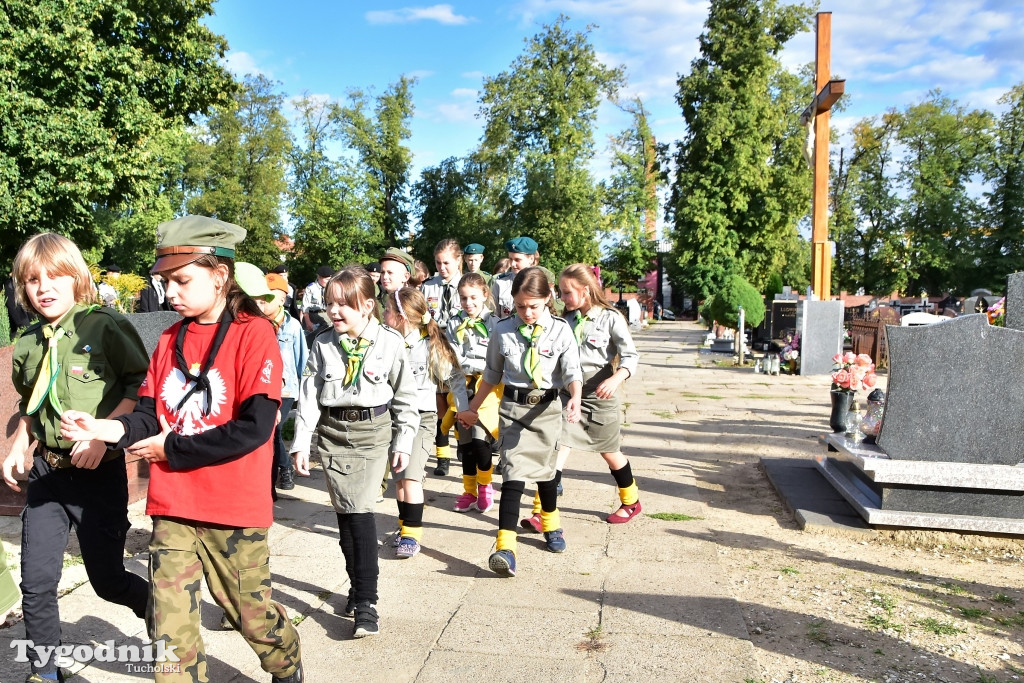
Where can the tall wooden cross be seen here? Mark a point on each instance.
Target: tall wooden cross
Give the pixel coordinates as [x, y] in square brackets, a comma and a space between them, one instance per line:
[829, 91]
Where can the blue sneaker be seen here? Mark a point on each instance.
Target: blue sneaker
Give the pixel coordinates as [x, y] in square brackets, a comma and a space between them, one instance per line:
[407, 547]
[555, 541]
[503, 562]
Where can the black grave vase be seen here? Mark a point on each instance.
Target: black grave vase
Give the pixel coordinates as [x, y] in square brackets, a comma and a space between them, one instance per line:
[840, 408]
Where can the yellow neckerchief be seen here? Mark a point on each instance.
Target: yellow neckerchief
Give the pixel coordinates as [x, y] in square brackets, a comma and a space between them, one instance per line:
[581, 319]
[471, 323]
[44, 388]
[531, 359]
[279, 318]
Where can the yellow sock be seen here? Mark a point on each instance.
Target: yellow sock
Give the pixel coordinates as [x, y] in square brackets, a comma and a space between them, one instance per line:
[507, 540]
[536, 503]
[549, 521]
[483, 478]
[630, 494]
[443, 452]
[413, 532]
[469, 484]
[401, 528]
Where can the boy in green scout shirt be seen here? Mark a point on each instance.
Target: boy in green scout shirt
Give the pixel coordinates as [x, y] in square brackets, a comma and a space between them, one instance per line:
[87, 358]
[473, 255]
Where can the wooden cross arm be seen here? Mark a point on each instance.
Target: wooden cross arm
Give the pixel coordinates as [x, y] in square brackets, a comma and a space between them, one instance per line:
[824, 100]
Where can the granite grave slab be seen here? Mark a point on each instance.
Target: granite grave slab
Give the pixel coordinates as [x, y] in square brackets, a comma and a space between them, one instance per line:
[820, 324]
[151, 325]
[1015, 301]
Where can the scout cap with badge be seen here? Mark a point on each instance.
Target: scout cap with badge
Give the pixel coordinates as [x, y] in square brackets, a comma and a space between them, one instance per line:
[403, 257]
[189, 238]
[275, 281]
[252, 281]
[474, 248]
[521, 245]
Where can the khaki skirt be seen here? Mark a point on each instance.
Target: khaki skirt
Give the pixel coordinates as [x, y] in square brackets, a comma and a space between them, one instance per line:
[422, 447]
[598, 429]
[528, 439]
[355, 458]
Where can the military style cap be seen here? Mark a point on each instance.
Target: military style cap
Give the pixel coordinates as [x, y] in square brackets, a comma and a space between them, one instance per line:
[184, 240]
[325, 272]
[521, 245]
[473, 249]
[373, 267]
[403, 257]
[252, 281]
[275, 281]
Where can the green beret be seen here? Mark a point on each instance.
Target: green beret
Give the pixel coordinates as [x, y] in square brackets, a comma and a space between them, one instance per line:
[474, 249]
[521, 245]
[403, 257]
[186, 239]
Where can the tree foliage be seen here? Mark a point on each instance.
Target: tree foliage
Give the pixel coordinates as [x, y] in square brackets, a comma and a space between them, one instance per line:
[735, 293]
[1002, 249]
[88, 85]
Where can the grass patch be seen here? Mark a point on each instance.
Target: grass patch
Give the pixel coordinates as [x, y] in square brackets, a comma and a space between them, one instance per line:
[594, 641]
[1003, 599]
[954, 588]
[324, 595]
[72, 561]
[985, 678]
[665, 414]
[672, 517]
[1011, 621]
[879, 651]
[939, 628]
[710, 397]
[789, 570]
[762, 397]
[649, 393]
[972, 612]
[816, 632]
[883, 622]
[298, 619]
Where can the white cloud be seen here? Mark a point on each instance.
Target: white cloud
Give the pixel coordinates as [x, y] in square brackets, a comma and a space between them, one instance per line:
[242, 63]
[442, 14]
[474, 75]
[465, 92]
[419, 74]
[457, 112]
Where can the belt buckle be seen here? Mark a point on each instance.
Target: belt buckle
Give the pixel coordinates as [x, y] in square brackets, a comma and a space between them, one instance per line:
[51, 458]
[533, 400]
[351, 415]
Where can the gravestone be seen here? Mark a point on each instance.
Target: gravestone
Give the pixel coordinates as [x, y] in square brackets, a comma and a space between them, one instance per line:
[820, 325]
[151, 325]
[947, 375]
[1015, 301]
[783, 317]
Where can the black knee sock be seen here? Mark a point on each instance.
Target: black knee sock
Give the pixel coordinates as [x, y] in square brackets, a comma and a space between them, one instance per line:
[347, 548]
[548, 491]
[558, 477]
[469, 465]
[402, 511]
[364, 541]
[508, 509]
[482, 450]
[413, 514]
[623, 476]
[440, 438]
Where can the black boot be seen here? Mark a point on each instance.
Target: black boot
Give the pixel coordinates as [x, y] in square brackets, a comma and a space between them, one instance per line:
[442, 467]
[286, 479]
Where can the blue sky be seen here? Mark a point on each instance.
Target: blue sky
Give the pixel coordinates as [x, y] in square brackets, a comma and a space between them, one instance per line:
[891, 53]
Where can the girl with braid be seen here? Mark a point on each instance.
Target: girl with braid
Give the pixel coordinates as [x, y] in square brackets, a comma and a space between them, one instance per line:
[535, 355]
[433, 365]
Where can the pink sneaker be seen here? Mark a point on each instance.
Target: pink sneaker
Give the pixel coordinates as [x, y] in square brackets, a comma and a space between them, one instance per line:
[465, 502]
[484, 498]
[532, 523]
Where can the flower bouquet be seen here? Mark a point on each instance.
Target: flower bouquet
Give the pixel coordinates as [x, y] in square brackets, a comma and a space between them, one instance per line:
[997, 313]
[851, 372]
[790, 353]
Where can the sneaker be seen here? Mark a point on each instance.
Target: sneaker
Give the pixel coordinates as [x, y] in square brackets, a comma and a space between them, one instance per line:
[465, 502]
[396, 537]
[499, 469]
[555, 541]
[442, 467]
[225, 623]
[286, 479]
[350, 606]
[484, 498]
[367, 623]
[533, 524]
[503, 563]
[630, 510]
[294, 677]
[407, 547]
[560, 489]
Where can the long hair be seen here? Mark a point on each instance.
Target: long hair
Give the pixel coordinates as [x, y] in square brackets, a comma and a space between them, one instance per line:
[410, 306]
[352, 286]
[477, 280]
[583, 275]
[58, 256]
[448, 244]
[533, 282]
[236, 300]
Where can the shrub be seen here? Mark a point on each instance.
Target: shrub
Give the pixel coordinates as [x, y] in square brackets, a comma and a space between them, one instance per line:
[735, 293]
[5, 323]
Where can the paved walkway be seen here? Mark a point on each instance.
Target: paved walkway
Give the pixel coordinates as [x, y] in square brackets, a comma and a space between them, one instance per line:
[643, 601]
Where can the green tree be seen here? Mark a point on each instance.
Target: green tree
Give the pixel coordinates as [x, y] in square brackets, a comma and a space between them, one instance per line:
[539, 119]
[242, 180]
[735, 293]
[1003, 247]
[378, 140]
[86, 85]
[732, 205]
[330, 202]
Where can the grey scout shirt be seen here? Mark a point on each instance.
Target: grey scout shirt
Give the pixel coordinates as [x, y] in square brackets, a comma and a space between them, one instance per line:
[418, 348]
[559, 355]
[605, 335]
[501, 291]
[472, 350]
[384, 377]
[434, 292]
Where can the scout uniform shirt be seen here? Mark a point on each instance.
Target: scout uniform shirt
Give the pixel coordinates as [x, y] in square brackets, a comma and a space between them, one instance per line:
[383, 377]
[556, 347]
[101, 362]
[442, 298]
[602, 334]
[501, 291]
[418, 347]
[470, 342]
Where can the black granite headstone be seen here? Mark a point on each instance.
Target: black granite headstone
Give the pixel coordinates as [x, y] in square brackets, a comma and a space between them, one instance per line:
[151, 325]
[783, 318]
[948, 375]
[1014, 306]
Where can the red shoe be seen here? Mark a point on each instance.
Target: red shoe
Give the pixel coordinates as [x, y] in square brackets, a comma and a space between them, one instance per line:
[631, 512]
[533, 524]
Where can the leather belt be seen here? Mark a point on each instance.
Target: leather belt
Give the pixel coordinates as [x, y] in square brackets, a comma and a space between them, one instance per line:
[354, 414]
[530, 397]
[54, 459]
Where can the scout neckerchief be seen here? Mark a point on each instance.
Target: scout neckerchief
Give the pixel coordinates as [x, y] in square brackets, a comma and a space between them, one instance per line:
[446, 298]
[531, 359]
[471, 324]
[355, 350]
[199, 380]
[279, 318]
[45, 386]
[581, 319]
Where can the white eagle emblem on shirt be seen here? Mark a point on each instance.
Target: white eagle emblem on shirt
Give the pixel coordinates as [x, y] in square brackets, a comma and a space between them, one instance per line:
[190, 420]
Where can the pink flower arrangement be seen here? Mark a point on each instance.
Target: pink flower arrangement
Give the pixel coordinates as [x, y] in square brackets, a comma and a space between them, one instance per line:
[852, 372]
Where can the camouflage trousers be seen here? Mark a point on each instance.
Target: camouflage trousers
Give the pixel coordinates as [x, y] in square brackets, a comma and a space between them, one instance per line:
[236, 564]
